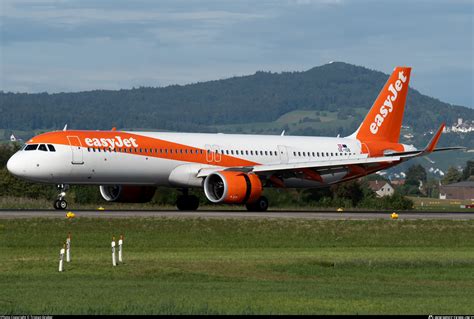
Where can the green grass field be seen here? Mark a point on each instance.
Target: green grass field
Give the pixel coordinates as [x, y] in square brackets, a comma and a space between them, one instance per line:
[228, 266]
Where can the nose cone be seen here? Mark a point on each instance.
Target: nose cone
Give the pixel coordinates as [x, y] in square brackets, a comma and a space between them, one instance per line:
[14, 166]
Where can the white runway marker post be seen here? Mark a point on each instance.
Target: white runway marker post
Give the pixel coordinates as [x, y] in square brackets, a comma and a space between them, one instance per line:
[68, 248]
[61, 257]
[120, 249]
[113, 252]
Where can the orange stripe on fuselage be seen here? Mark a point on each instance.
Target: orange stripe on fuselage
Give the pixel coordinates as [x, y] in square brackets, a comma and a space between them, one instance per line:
[120, 140]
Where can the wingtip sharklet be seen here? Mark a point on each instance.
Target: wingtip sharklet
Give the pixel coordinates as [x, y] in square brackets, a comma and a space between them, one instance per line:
[432, 144]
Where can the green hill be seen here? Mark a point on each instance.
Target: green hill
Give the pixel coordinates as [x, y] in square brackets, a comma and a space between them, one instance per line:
[327, 100]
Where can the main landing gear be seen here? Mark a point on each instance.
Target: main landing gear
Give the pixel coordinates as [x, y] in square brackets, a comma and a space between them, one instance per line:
[260, 205]
[186, 201]
[60, 203]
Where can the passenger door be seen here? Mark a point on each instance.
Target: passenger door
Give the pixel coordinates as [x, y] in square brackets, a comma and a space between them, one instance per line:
[76, 149]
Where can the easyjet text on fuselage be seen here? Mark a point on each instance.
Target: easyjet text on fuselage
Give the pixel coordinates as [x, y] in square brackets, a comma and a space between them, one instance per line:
[111, 143]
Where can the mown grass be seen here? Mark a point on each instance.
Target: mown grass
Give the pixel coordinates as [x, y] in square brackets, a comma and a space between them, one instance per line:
[230, 266]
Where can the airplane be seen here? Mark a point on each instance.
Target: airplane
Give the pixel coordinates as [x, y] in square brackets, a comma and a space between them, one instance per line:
[128, 166]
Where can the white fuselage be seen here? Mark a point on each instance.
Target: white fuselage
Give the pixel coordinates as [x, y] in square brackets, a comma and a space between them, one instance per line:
[70, 165]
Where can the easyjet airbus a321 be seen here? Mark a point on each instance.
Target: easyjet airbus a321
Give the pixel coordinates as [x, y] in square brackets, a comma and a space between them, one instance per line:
[232, 169]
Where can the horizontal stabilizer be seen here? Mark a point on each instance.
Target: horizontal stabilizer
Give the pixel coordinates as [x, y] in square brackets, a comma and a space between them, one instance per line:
[428, 149]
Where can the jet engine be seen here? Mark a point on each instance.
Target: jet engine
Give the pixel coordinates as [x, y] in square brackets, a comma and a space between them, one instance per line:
[127, 193]
[232, 187]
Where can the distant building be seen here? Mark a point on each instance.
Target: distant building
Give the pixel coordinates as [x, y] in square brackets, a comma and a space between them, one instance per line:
[460, 126]
[381, 188]
[461, 190]
[12, 138]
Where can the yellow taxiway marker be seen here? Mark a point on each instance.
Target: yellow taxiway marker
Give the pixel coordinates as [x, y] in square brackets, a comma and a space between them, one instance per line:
[70, 215]
[101, 208]
[394, 215]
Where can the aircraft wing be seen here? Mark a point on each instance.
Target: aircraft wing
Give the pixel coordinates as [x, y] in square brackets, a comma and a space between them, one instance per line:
[261, 169]
[358, 163]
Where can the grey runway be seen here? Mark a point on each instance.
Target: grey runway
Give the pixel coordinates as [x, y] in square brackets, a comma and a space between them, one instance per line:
[319, 215]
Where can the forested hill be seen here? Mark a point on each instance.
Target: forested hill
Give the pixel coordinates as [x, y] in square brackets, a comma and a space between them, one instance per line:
[261, 97]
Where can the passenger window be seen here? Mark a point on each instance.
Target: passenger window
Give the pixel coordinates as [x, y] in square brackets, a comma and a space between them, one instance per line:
[299, 153]
[51, 148]
[42, 147]
[31, 147]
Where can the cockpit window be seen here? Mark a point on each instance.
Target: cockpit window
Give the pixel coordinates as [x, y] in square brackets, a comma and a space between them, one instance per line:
[42, 147]
[51, 148]
[23, 147]
[31, 147]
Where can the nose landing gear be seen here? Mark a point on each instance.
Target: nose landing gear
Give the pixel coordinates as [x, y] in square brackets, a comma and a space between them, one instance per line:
[60, 203]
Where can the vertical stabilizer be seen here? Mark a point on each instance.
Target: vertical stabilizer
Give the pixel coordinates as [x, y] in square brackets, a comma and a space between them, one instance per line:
[384, 120]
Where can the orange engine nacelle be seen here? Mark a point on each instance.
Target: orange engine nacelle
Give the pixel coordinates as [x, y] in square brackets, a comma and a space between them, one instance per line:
[232, 187]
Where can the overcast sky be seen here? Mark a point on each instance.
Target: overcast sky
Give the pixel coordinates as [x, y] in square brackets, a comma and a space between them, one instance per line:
[69, 46]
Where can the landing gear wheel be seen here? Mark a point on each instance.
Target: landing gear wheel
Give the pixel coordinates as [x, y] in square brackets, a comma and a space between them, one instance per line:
[260, 205]
[187, 202]
[60, 204]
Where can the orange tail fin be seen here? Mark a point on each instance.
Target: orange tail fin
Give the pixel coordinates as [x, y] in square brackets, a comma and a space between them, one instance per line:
[384, 120]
